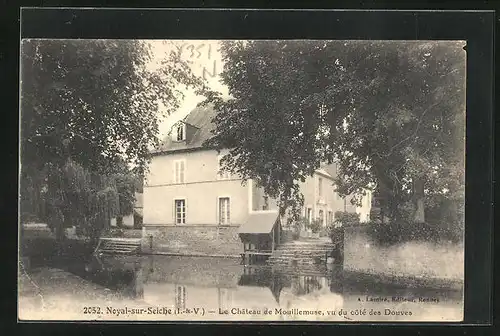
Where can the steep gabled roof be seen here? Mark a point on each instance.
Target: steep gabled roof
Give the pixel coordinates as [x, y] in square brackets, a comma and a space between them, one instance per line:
[200, 118]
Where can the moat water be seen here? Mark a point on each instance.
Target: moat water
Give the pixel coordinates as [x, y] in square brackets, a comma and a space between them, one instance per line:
[165, 288]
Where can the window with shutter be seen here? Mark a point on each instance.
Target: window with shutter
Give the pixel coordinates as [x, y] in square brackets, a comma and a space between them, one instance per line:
[224, 211]
[179, 171]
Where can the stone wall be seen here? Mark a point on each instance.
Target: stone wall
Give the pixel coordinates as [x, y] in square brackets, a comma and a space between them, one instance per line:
[413, 259]
[189, 240]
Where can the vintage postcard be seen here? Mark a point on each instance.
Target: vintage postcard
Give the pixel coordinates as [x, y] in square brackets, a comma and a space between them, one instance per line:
[242, 180]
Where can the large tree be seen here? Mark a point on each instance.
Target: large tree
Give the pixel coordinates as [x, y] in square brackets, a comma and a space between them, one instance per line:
[126, 187]
[391, 113]
[405, 122]
[92, 104]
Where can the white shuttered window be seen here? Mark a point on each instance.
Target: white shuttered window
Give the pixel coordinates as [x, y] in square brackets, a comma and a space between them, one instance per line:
[224, 211]
[179, 171]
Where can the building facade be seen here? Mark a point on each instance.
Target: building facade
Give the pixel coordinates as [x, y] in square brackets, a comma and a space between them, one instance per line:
[185, 186]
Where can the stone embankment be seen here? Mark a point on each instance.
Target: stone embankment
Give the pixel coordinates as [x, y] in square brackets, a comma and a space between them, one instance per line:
[304, 252]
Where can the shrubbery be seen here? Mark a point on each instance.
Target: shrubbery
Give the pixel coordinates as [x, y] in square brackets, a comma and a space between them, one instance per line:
[346, 218]
[296, 227]
[324, 232]
[406, 231]
[27, 217]
[342, 220]
[444, 222]
[115, 232]
[315, 225]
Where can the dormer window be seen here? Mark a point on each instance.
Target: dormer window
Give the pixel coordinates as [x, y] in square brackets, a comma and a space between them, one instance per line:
[180, 132]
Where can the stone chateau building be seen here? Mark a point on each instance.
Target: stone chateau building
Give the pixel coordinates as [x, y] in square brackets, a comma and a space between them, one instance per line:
[187, 199]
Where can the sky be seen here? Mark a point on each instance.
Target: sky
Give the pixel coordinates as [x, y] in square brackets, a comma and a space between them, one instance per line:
[205, 61]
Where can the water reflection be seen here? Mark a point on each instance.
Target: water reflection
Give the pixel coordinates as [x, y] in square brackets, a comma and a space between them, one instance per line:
[188, 282]
[121, 275]
[222, 285]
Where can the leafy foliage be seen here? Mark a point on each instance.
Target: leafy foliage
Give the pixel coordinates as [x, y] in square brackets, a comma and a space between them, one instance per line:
[408, 231]
[126, 187]
[406, 134]
[80, 198]
[343, 219]
[89, 110]
[95, 100]
[297, 226]
[392, 114]
[315, 225]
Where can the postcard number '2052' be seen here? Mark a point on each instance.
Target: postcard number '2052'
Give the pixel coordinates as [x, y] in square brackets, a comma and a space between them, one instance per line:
[91, 310]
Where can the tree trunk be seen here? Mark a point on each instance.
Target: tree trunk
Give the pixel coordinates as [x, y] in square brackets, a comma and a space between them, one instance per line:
[96, 228]
[60, 234]
[119, 222]
[418, 198]
[57, 221]
[137, 221]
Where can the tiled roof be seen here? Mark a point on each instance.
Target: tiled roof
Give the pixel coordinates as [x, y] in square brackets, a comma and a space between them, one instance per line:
[201, 118]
